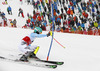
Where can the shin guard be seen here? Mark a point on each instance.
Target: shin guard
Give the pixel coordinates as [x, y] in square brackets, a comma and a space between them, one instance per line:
[36, 50]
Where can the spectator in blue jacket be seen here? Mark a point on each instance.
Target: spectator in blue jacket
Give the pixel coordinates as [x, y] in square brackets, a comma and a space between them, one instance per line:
[45, 23]
[82, 25]
[93, 10]
[73, 9]
[78, 24]
[2, 15]
[74, 3]
[84, 8]
[9, 10]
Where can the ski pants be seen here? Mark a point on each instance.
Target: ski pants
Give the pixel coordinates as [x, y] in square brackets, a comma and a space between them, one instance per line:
[24, 48]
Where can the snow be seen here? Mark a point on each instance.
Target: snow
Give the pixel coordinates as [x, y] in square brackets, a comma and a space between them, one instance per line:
[82, 52]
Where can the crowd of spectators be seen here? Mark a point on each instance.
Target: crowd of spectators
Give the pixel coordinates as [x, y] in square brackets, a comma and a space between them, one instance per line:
[72, 16]
[42, 14]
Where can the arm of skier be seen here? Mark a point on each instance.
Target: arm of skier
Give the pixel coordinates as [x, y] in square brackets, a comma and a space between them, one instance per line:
[38, 35]
[41, 35]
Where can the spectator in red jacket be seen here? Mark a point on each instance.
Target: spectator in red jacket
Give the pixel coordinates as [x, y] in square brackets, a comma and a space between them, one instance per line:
[39, 17]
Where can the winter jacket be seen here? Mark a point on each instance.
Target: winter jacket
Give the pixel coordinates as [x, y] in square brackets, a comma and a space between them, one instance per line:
[86, 15]
[20, 10]
[28, 21]
[34, 17]
[2, 14]
[30, 38]
[72, 7]
[55, 6]
[58, 19]
[71, 12]
[32, 20]
[95, 24]
[39, 18]
[72, 23]
[93, 10]
[84, 8]
[68, 12]
[74, 3]
[45, 23]
[9, 8]
[78, 24]
[82, 25]
[46, 1]
[14, 22]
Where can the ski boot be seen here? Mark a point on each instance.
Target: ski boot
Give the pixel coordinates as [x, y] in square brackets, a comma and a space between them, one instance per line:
[24, 58]
[32, 55]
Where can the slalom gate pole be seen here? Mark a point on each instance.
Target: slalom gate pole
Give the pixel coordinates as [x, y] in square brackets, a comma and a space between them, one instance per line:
[52, 32]
[50, 48]
[58, 43]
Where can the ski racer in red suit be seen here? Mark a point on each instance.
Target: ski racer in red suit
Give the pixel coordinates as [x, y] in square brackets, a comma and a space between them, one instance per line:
[25, 45]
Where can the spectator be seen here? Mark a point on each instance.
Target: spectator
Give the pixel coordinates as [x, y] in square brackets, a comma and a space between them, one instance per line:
[6, 2]
[21, 12]
[2, 15]
[96, 24]
[82, 25]
[67, 13]
[43, 27]
[58, 29]
[63, 28]
[11, 22]
[9, 10]
[14, 23]
[5, 21]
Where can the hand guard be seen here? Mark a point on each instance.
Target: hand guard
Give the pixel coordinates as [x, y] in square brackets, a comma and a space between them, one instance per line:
[49, 34]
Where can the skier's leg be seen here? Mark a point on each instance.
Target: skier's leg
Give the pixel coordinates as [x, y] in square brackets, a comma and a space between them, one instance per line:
[35, 50]
[26, 49]
[25, 56]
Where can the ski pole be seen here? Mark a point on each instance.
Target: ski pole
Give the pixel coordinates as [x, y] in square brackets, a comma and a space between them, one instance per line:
[58, 43]
[52, 33]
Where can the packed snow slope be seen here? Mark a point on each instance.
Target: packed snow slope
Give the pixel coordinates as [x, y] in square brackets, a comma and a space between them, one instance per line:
[82, 52]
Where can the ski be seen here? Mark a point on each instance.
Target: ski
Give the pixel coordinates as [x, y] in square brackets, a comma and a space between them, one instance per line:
[31, 64]
[52, 62]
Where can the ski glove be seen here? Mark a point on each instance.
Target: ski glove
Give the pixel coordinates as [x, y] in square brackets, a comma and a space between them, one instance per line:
[49, 34]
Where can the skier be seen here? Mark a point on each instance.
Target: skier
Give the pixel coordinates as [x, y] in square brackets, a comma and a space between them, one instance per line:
[25, 45]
